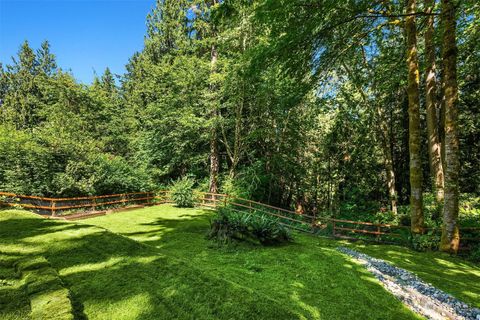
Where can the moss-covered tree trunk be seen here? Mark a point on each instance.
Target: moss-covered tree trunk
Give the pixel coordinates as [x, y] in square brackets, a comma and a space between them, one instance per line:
[450, 234]
[434, 149]
[416, 198]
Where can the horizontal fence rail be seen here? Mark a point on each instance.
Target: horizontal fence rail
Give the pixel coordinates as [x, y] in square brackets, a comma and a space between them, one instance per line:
[336, 228]
[332, 227]
[53, 206]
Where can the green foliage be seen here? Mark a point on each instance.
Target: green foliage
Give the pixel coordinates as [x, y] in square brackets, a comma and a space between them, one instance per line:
[254, 227]
[182, 192]
[475, 254]
[469, 215]
[425, 242]
[101, 174]
[305, 103]
[250, 182]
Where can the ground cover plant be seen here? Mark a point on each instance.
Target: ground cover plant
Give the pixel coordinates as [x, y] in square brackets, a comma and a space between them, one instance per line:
[256, 227]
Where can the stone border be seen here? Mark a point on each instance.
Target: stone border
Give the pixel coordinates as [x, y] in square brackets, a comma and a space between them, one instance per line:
[49, 299]
[418, 295]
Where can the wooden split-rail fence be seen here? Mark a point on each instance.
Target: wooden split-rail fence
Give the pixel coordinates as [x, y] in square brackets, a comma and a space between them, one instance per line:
[332, 227]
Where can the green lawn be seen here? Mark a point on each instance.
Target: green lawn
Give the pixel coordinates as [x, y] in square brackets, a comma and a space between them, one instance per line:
[450, 274]
[155, 263]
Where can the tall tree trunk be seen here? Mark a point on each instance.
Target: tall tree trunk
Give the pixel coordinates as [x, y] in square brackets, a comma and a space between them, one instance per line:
[214, 157]
[434, 149]
[388, 159]
[416, 198]
[441, 127]
[450, 234]
[238, 143]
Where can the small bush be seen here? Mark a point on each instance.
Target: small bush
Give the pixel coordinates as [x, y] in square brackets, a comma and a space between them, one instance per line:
[252, 227]
[182, 192]
[425, 242]
[469, 215]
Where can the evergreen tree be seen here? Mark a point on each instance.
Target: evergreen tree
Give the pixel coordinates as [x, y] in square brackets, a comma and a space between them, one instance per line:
[46, 60]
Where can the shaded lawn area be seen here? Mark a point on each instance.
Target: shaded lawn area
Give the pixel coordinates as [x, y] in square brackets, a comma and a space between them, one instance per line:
[308, 277]
[113, 277]
[172, 272]
[166, 231]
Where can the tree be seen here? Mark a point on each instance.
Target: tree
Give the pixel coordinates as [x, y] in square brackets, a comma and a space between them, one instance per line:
[46, 60]
[450, 233]
[434, 148]
[416, 197]
[214, 156]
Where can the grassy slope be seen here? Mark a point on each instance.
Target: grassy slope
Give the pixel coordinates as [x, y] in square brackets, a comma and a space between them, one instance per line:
[308, 277]
[177, 276]
[116, 278]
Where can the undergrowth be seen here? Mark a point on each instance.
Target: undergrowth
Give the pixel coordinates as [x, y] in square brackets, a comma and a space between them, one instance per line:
[254, 227]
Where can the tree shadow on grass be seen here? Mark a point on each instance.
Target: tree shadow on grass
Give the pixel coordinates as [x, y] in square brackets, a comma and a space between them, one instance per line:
[146, 285]
[260, 268]
[115, 277]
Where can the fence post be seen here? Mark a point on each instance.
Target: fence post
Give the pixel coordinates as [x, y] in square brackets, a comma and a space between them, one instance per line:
[378, 233]
[333, 228]
[52, 204]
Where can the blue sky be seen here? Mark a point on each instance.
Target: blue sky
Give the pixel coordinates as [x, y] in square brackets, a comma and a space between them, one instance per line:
[85, 35]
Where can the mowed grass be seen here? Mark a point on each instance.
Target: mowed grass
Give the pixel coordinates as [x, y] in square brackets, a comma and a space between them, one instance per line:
[451, 274]
[14, 302]
[155, 263]
[309, 277]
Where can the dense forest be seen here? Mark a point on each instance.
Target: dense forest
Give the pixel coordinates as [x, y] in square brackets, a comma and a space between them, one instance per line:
[360, 109]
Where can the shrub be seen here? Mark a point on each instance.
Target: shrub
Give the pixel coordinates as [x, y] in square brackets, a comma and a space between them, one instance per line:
[425, 242]
[469, 215]
[253, 227]
[182, 192]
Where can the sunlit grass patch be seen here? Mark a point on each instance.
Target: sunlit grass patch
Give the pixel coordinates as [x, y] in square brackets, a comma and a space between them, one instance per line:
[156, 263]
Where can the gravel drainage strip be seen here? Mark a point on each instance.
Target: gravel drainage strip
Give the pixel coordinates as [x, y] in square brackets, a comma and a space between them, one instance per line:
[419, 296]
